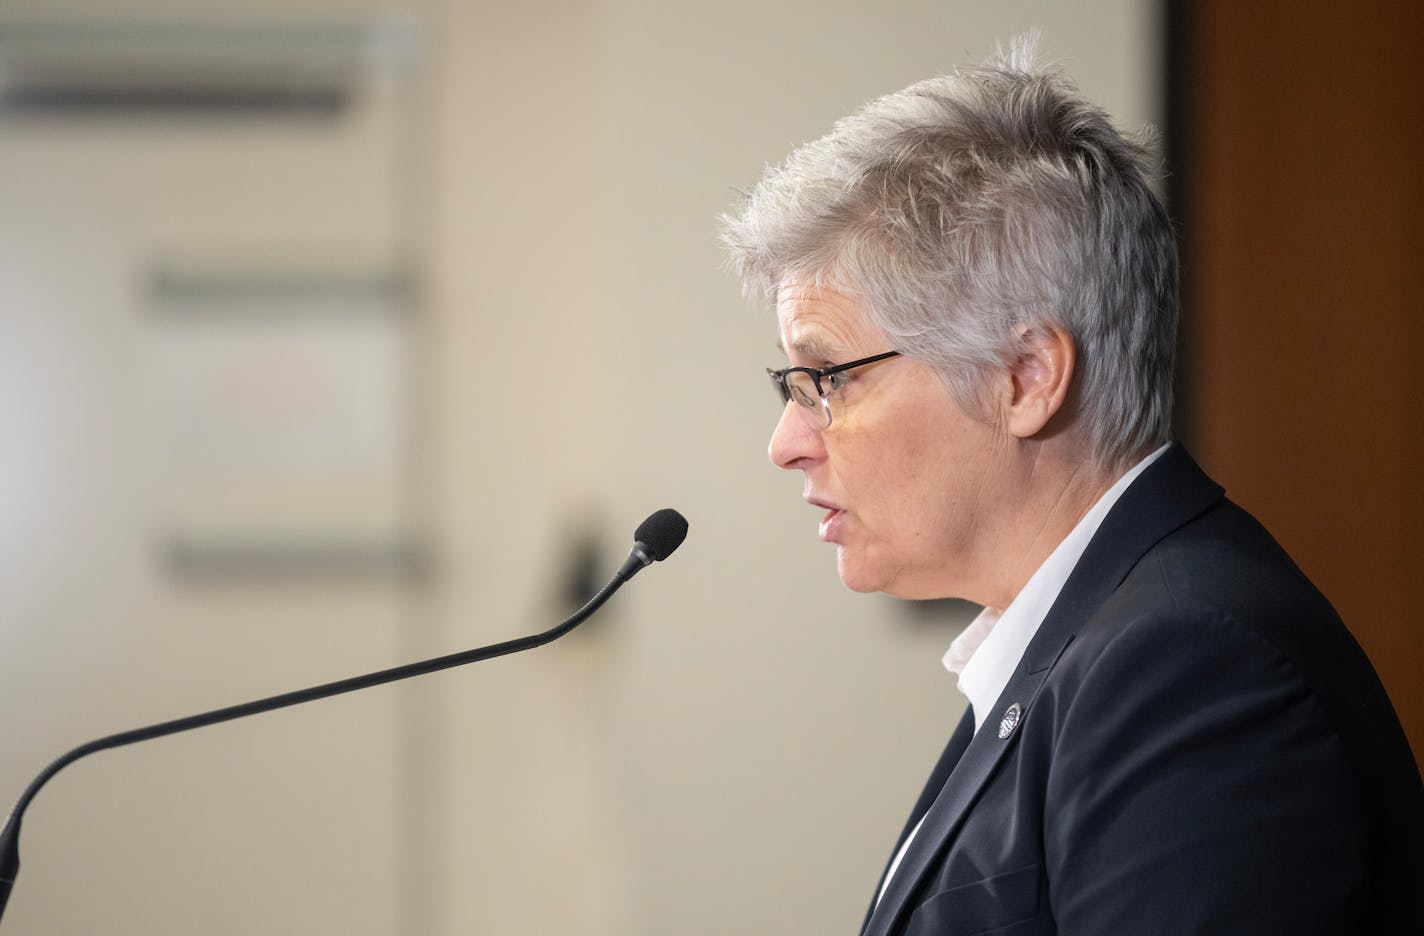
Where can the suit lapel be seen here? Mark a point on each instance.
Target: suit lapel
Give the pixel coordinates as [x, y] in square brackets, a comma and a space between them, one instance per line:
[1167, 495]
[953, 751]
[944, 817]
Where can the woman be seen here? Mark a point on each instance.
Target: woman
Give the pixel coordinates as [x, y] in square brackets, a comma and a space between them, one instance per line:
[976, 289]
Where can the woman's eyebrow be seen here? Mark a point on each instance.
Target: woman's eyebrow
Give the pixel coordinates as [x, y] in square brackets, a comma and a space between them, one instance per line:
[810, 346]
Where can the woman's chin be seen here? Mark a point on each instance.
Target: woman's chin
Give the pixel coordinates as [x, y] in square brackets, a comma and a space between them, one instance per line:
[860, 575]
[857, 574]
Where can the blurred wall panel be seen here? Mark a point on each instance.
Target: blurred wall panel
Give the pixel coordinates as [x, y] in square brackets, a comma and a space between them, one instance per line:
[206, 482]
[1302, 134]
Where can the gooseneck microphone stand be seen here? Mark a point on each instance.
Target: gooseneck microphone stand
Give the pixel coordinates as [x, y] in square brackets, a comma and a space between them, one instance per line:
[655, 540]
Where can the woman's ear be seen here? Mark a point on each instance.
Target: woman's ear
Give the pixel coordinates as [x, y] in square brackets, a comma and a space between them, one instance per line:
[1040, 378]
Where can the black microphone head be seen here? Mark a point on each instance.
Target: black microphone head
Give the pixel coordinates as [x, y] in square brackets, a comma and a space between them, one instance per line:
[662, 532]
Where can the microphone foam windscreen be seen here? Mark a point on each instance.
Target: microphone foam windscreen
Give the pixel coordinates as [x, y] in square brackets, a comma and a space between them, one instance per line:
[662, 532]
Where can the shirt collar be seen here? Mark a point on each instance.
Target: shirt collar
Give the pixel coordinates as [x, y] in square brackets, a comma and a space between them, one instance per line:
[985, 654]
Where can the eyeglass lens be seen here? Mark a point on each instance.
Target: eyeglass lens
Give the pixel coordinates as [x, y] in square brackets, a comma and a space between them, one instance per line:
[802, 388]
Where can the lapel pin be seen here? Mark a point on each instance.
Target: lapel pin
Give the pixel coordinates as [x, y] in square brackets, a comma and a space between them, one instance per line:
[1010, 721]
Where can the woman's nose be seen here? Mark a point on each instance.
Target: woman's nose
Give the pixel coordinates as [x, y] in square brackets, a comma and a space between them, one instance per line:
[794, 439]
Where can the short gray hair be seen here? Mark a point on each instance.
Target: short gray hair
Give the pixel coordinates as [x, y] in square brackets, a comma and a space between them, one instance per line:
[968, 208]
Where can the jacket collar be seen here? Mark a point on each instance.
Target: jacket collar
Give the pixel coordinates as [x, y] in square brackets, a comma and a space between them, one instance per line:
[1171, 492]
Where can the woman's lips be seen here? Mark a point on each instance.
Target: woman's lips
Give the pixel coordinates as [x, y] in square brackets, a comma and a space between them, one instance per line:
[831, 526]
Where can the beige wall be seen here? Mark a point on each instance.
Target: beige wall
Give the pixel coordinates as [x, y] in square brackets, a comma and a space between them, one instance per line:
[729, 747]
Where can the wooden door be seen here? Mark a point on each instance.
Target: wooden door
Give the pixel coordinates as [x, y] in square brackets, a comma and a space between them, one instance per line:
[1297, 133]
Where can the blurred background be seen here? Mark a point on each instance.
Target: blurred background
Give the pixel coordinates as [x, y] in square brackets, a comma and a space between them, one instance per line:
[338, 335]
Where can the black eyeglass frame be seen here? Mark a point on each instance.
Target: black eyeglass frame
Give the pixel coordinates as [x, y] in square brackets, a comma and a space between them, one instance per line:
[778, 379]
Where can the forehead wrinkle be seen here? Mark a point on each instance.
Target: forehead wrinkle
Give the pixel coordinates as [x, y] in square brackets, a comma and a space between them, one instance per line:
[819, 321]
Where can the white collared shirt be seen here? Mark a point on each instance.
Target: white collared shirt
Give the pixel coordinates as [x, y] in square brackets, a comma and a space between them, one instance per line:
[985, 653]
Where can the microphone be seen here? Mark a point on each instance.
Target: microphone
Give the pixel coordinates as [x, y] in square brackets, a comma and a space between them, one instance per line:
[654, 540]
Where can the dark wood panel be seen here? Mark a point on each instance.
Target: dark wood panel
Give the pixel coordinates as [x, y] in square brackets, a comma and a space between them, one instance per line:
[1300, 127]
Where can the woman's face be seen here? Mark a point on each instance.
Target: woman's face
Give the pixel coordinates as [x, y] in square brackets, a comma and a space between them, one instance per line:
[907, 476]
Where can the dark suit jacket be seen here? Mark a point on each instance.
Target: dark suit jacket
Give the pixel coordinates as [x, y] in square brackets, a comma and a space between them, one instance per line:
[1203, 748]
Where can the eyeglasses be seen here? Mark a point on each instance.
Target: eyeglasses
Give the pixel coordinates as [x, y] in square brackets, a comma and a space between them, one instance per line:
[803, 384]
